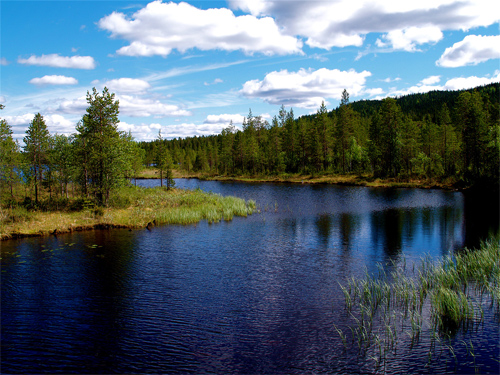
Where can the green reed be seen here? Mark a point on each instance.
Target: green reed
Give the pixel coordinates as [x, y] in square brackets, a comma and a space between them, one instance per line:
[387, 309]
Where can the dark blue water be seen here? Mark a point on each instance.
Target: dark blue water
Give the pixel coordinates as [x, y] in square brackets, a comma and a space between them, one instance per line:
[256, 295]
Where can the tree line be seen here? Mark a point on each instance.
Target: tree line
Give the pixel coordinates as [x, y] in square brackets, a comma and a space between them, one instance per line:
[89, 164]
[452, 135]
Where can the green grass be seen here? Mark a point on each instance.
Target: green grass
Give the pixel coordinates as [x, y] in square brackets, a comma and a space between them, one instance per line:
[131, 207]
[442, 297]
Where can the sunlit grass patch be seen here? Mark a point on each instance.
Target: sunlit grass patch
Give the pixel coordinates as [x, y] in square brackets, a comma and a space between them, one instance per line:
[129, 207]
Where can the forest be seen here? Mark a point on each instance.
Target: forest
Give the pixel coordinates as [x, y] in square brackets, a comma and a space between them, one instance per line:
[451, 136]
[440, 135]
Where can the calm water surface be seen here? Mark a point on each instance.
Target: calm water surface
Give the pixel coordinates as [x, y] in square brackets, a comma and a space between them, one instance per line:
[255, 295]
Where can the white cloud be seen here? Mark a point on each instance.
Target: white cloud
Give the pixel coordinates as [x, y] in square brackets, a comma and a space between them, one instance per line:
[2, 99]
[305, 88]
[224, 120]
[216, 81]
[190, 130]
[127, 85]
[54, 80]
[431, 80]
[470, 82]
[134, 106]
[72, 106]
[175, 72]
[389, 79]
[319, 57]
[159, 28]
[474, 49]
[130, 105]
[141, 132]
[54, 60]
[3, 61]
[405, 24]
[19, 119]
[459, 83]
[407, 39]
[374, 91]
[149, 132]
[55, 123]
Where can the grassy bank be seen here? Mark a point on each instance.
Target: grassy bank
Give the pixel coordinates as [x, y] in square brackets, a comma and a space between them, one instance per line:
[347, 180]
[440, 298]
[130, 207]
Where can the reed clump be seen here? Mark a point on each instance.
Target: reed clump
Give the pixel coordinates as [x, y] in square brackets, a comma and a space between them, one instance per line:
[442, 297]
[130, 207]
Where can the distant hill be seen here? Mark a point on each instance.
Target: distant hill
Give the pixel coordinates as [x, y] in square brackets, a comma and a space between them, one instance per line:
[417, 105]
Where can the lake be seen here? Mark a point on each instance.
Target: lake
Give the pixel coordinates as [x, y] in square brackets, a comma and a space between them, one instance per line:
[255, 295]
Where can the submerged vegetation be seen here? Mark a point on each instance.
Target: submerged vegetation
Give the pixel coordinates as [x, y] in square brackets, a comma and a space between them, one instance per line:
[129, 207]
[439, 299]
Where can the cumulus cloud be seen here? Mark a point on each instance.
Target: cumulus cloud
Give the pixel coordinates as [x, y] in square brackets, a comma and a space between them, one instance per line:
[149, 132]
[4, 61]
[130, 105]
[54, 80]
[459, 83]
[305, 88]
[57, 61]
[160, 27]
[224, 120]
[407, 39]
[374, 91]
[127, 85]
[191, 130]
[72, 106]
[19, 119]
[474, 49]
[140, 132]
[134, 106]
[462, 83]
[405, 24]
[55, 123]
[431, 80]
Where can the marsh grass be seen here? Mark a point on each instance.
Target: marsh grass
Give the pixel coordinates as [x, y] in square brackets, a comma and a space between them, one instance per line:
[441, 298]
[131, 207]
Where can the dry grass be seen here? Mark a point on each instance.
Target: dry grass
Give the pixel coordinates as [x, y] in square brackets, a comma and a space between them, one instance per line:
[348, 180]
[131, 207]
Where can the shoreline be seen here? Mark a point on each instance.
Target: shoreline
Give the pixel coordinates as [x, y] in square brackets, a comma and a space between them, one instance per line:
[143, 209]
[58, 231]
[327, 179]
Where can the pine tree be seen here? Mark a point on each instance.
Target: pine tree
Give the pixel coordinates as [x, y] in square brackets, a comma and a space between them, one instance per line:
[37, 145]
[164, 163]
[101, 156]
[9, 156]
[344, 129]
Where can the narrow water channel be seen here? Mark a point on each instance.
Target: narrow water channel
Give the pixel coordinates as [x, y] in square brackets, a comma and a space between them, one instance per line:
[256, 295]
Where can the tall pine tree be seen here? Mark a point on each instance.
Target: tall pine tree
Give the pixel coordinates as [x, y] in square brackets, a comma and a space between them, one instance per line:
[37, 145]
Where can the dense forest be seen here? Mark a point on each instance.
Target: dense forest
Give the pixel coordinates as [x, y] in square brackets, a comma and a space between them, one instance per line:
[441, 135]
[451, 136]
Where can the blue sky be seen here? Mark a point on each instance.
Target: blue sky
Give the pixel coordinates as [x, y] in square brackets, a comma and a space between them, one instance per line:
[189, 68]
